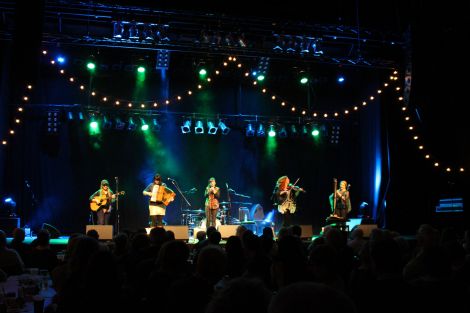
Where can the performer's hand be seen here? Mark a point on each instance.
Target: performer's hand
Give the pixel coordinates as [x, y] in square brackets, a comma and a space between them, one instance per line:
[113, 196]
[97, 201]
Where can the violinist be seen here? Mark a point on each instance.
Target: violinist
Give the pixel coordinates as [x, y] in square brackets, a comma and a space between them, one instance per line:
[212, 195]
[285, 195]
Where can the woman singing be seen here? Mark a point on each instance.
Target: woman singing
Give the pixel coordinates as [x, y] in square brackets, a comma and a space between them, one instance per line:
[212, 194]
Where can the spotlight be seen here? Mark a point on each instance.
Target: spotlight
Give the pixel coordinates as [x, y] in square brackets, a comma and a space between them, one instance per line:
[212, 129]
[155, 125]
[70, 116]
[223, 128]
[143, 124]
[304, 130]
[283, 132]
[260, 132]
[293, 130]
[272, 131]
[131, 125]
[303, 77]
[119, 124]
[107, 124]
[250, 131]
[315, 131]
[340, 79]
[199, 128]
[186, 128]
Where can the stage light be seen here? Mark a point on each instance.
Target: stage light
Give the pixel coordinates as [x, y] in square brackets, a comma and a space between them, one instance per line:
[304, 130]
[272, 131]
[186, 128]
[52, 122]
[107, 124]
[260, 131]
[199, 128]
[131, 124]
[143, 124]
[91, 66]
[211, 128]
[283, 132]
[303, 77]
[250, 131]
[141, 69]
[155, 125]
[60, 59]
[293, 130]
[315, 131]
[260, 77]
[223, 128]
[70, 116]
[119, 124]
[334, 134]
[163, 59]
[340, 79]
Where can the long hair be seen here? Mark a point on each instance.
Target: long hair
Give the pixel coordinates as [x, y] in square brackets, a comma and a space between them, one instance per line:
[282, 182]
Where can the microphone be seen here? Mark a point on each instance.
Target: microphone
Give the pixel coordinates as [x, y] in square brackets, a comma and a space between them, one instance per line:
[226, 185]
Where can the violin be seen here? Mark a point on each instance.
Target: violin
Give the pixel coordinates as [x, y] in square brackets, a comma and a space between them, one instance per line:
[295, 188]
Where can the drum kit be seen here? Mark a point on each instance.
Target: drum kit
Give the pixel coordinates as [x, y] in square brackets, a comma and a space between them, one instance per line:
[196, 218]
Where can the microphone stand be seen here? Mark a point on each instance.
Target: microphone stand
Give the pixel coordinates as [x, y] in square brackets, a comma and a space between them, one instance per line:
[117, 205]
[175, 183]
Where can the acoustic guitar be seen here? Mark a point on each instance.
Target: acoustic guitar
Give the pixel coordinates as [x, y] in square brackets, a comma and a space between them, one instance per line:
[100, 202]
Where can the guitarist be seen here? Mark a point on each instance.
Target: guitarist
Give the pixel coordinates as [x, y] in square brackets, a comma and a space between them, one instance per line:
[103, 197]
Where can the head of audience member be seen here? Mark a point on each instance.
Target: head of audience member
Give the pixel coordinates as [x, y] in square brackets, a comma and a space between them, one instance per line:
[19, 234]
[173, 256]
[210, 230]
[3, 239]
[121, 241]
[157, 236]
[295, 230]
[215, 237]
[93, 233]
[43, 238]
[211, 263]
[357, 233]
[170, 235]
[240, 230]
[268, 232]
[200, 235]
[306, 297]
[283, 232]
[241, 295]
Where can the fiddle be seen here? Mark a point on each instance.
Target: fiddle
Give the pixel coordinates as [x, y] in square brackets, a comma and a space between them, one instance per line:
[295, 188]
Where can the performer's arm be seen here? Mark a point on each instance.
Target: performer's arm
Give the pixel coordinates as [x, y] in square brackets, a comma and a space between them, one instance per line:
[95, 194]
[147, 191]
[217, 193]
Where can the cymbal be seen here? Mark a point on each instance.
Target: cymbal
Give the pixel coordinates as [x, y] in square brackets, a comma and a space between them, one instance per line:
[235, 202]
[193, 211]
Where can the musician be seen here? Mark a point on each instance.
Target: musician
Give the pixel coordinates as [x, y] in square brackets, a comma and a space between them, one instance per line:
[160, 196]
[343, 201]
[284, 196]
[212, 195]
[103, 197]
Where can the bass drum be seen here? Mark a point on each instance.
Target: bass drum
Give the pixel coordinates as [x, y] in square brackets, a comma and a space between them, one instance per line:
[202, 224]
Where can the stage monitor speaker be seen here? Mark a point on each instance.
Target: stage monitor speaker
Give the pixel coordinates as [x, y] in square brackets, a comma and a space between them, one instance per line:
[8, 224]
[181, 231]
[228, 230]
[367, 229]
[54, 232]
[307, 231]
[105, 232]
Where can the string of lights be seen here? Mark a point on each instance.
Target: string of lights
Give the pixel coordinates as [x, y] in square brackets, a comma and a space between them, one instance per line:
[152, 104]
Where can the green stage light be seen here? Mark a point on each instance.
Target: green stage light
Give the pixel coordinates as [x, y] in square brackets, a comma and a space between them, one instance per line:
[260, 78]
[141, 69]
[91, 66]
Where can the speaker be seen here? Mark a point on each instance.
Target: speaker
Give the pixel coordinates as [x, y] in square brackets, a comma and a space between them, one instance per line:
[54, 232]
[367, 229]
[8, 224]
[181, 231]
[307, 231]
[104, 231]
[228, 230]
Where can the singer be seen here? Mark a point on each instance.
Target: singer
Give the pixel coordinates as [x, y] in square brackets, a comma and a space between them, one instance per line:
[212, 195]
[160, 196]
[343, 201]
